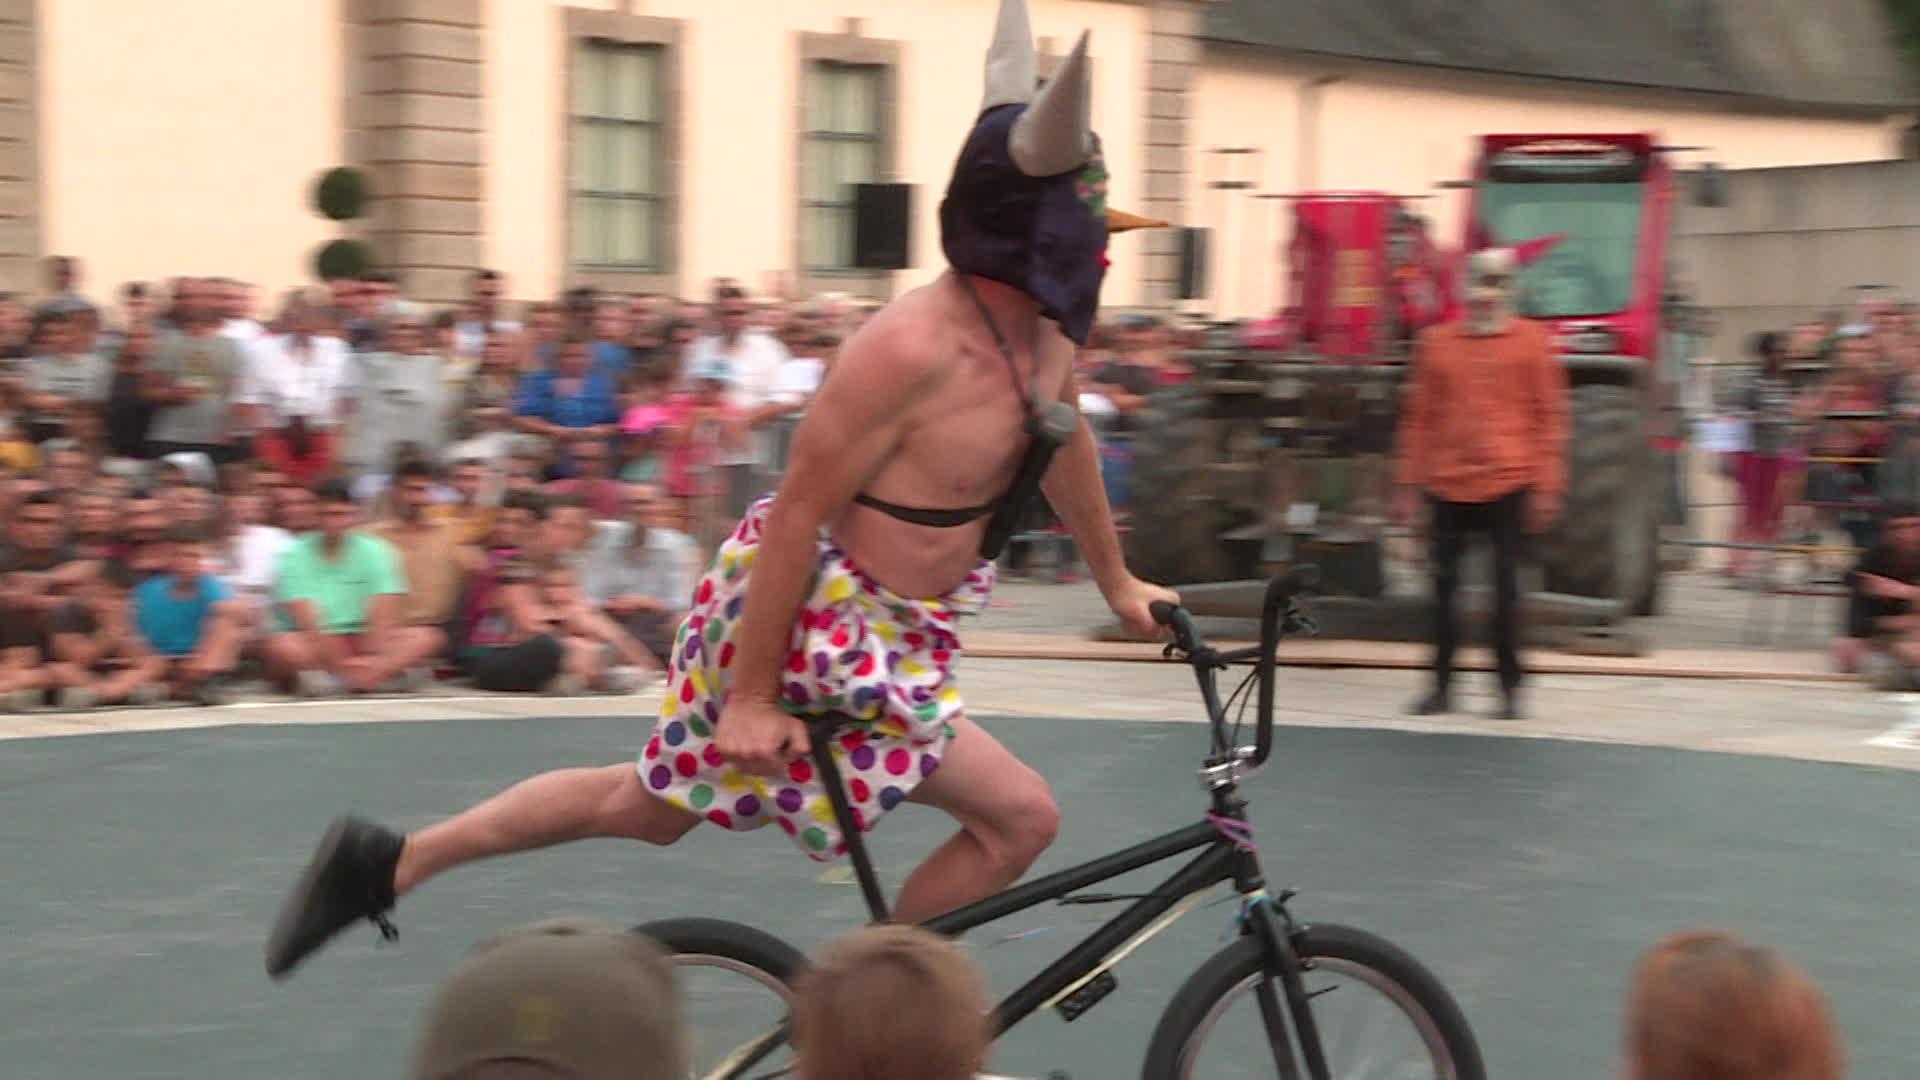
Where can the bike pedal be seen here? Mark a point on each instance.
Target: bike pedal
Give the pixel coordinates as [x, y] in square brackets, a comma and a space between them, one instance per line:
[1088, 996]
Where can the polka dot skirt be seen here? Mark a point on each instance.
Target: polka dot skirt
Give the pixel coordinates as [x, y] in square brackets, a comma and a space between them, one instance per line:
[858, 649]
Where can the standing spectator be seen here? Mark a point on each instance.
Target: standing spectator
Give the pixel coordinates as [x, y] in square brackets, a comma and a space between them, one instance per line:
[13, 331]
[751, 359]
[129, 413]
[643, 425]
[1707, 1005]
[641, 572]
[293, 389]
[546, 330]
[361, 314]
[190, 620]
[482, 318]
[398, 394]
[1766, 399]
[704, 424]
[63, 286]
[136, 303]
[1482, 439]
[570, 399]
[193, 383]
[63, 381]
[340, 594]
[95, 656]
[606, 1001]
[594, 486]
[236, 303]
[429, 549]
[937, 1024]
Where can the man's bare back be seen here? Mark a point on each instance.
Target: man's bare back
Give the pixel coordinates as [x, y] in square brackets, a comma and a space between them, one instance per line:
[961, 440]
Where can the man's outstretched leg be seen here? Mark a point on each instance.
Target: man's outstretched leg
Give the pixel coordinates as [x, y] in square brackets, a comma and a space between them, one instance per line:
[1007, 818]
[360, 868]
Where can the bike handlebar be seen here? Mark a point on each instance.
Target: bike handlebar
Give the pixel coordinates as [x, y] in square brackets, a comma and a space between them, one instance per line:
[1280, 592]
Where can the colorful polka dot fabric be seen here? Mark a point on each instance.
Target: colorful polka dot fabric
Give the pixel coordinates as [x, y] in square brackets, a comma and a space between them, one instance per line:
[858, 649]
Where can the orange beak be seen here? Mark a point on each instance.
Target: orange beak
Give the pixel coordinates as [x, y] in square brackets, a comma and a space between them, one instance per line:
[1119, 221]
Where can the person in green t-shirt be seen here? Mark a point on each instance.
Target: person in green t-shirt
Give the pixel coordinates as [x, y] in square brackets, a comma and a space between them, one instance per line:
[338, 598]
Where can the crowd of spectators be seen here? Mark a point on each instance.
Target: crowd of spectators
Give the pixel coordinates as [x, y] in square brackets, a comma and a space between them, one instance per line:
[355, 492]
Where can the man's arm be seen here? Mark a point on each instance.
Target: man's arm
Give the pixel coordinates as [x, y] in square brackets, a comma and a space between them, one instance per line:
[1074, 489]
[858, 419]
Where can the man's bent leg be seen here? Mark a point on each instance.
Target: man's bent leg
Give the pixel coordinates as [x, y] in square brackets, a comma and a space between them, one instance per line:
[552, 808]
[1007, 818]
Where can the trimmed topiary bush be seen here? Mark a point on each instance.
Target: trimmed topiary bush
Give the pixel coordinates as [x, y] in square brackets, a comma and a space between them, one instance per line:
[341, 194]
[342, 259]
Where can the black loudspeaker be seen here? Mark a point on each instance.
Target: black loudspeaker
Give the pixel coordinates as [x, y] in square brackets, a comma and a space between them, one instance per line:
[1193, 263]
[882, 219]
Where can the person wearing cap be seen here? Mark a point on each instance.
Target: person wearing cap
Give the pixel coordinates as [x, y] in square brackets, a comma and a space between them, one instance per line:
[1482, 442]
[568, 999]
[941, 418]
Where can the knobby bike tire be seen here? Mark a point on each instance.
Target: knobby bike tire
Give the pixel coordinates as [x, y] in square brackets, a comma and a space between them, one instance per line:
[736, 943]
[1168, 1051]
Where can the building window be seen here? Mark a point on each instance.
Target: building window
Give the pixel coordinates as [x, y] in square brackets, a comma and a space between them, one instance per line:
[844, 147]
[617, 202]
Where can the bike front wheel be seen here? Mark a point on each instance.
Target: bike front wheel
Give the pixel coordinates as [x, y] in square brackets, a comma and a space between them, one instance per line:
[736, 994]
[1379, 1014]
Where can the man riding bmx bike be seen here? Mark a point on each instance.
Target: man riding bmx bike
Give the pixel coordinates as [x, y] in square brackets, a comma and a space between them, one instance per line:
[906, 475]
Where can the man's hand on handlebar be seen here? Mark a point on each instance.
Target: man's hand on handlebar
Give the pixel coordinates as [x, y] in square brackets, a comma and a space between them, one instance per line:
[1131, 602]
[759, 737]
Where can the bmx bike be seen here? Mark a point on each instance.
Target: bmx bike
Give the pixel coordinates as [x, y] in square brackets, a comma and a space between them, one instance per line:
[1301, 978]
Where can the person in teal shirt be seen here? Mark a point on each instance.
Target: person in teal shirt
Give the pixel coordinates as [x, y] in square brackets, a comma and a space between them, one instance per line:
[189, 619]
[338, 596]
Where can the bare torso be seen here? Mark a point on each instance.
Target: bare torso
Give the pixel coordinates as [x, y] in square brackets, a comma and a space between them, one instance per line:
[961, 445]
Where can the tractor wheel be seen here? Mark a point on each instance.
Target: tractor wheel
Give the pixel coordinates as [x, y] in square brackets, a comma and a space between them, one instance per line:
[1176, 522]
[1603, 545]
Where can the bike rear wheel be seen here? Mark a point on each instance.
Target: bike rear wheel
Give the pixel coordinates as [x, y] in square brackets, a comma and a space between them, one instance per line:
[736, 992]
[1379, 1015]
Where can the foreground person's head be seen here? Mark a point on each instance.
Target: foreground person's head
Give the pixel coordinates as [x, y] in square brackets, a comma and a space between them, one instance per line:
[891, 1003]
[564, 1000]
[1707, 1005]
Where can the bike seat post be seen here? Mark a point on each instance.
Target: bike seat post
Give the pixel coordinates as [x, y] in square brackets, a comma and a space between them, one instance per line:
[821, 733]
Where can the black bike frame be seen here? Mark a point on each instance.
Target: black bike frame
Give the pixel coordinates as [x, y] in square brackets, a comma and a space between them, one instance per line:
[1221, 859]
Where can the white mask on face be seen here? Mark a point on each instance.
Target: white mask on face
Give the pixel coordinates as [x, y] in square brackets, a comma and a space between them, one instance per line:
[1490, 291]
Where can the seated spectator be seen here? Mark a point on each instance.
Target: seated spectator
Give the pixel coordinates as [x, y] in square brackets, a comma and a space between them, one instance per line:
[190, 621]
[641, 571]
[38, 567]
[247, 551]
[292, 392]
[340, 595]
[606, 1000]
[429, 549]
[1707, 1005]
[95, 655]
[67, 467]
[937, 1024]
[1882, 633]
[95, 517]
[590, 636]
[295, 510]
[474, 503]
[593, 485]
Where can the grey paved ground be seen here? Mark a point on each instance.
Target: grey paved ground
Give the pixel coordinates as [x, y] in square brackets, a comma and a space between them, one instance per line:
[1526, 871]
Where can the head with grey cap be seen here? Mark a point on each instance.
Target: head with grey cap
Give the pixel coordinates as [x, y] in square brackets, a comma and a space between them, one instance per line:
[1027, 204]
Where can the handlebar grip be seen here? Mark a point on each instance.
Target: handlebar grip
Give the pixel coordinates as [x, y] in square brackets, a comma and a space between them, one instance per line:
[1297, 579]
[1162, 611]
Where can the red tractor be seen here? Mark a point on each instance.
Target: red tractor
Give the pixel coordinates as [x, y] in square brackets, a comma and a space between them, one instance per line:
[1280, 447]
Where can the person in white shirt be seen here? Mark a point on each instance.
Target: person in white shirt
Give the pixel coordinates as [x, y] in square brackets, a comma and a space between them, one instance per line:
[235, 301]
[753, 359]
[641, 572]
[293, 392]
[481, 319]
[247, 554]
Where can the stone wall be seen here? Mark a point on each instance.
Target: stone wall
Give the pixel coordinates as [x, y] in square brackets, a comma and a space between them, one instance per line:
[1793, 242]
[1173, 55]
[19, 147]
[415, 122]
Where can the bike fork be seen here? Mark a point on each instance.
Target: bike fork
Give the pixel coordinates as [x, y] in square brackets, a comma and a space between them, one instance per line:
[1275, 932]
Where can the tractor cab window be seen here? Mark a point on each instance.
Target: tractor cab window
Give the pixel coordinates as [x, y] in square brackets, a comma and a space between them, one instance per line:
[1590, 270]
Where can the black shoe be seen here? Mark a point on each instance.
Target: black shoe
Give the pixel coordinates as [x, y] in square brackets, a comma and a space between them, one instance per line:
[1434, 704]
[1510, 708]
[349, 879]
